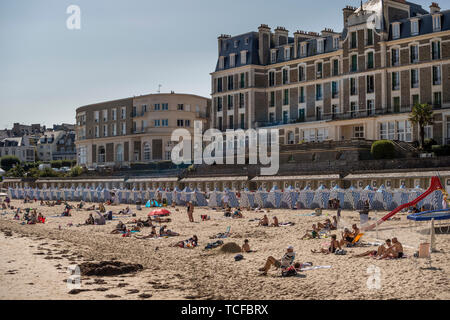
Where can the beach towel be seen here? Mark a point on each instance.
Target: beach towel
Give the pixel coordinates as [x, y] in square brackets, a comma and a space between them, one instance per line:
[315, 268]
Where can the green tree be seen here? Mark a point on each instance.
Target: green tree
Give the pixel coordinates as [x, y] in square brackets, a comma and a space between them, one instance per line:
[7, 162]
[422, 115]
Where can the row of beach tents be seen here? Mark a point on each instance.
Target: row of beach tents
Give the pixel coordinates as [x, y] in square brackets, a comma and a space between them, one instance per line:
[350, 199]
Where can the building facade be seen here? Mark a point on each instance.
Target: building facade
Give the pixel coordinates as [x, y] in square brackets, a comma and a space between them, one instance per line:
[136, 130]
[360, 83]
[19, 147]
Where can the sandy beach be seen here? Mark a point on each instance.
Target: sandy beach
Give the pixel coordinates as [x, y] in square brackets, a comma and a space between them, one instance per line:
[35, 259]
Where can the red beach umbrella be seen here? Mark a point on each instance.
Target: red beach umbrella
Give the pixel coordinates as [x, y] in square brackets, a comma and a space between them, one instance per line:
[160, 212]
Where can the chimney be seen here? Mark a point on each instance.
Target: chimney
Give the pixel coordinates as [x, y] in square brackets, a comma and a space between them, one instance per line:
[221, 40]
[434, 8]
[264, 43]
[281, 36]
[328, 32]
[347, 12]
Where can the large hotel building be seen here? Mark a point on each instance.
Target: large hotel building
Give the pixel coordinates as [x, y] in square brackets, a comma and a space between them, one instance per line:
[136, 130]
[360, 83]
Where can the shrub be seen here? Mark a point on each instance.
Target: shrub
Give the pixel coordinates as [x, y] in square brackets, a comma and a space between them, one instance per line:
[7, 162]
[428, 144]
[383, 149]
[75, 171]
[16, 172]
[48, 172]
[56, 164]
[441, 150]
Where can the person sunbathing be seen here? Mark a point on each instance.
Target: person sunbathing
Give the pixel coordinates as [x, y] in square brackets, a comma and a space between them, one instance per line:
[126, 211]
[120, 228]
[264, 221]
[285, 262]
[334, 224]
[334, 245]
[325, 226]
[91, 208]
[311, 234]
[101, 208]
[163, 232]
[66, 213]
[227, 212]
[347, 237]
[152, 234]
[189, 243]
[395, 251]
[41, 203]
[80, 205]
[40, 218]
[33, 218]
[375, 253]
[144, 223]
[275, 222]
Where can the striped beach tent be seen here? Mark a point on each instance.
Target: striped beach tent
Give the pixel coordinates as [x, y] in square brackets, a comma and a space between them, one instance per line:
[274, 198]
[232, 199]
[215, 199]
[261, 198]
[289, 198]
[247, 199]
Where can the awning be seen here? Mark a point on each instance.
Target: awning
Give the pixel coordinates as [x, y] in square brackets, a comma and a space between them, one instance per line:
[211, 179]
[283, 178]
[404, 175]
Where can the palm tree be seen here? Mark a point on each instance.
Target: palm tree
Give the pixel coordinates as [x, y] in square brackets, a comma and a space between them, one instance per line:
[422, 115]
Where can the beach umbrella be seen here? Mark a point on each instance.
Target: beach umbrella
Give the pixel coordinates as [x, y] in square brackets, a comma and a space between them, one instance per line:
[159, 212]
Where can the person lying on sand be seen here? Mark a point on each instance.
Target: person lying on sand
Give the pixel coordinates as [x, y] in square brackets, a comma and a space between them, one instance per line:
[311, 234]
[120, 227]
[227, 212]
[163, 232]
[144, 223]
[100, 219]
[375, 253]
[126, 211]
[152, 234]
[275, 222]
[189, 243]
[395, 251]
[264, 221]
[334, 245]
[91, 208]
[325, 226]
[285, 262]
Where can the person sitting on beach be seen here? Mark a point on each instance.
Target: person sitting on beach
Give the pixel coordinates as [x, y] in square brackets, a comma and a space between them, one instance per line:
[375, 253]
[237, 214]
[41, 203]
[283, 263]
[126, 211]
[144, 223]
[275, 222]
[264, 221]
[325, 226]
[80, 205]
[334, 224]
[246, 247]
[395, 251]
[347, 237]
[101, 208]
[3, 206]
[227, 212]
[414, 209]
[40, 218]
[311, 234]
[33, 218]
[334, 245]
[16, 217]
[66, 213]
[109, 215]
[90, 220]
[164, 232]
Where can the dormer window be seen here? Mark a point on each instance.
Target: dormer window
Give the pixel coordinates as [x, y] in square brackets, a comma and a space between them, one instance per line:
[287, 53]
[221, 62]
[232, 60]
[303, 49]
[336, 42]
[414, 27]
[246, 41]
[244, 57]
[236, 43]
[395, 30]
[273, 56]
[320, 46]
[437, 22]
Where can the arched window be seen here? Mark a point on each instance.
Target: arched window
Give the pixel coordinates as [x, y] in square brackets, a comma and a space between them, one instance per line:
[147, 152]
[119, 153]
[101, 154]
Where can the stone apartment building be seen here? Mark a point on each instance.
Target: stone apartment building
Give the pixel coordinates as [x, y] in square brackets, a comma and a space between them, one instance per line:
[360, 83]
[137, 129]
[19, 147]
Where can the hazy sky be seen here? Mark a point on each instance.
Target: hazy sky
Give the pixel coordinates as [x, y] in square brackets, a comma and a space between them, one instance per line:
[127, 48]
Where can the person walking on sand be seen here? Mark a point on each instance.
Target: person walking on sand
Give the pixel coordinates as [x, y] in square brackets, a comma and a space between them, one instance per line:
[190, 211]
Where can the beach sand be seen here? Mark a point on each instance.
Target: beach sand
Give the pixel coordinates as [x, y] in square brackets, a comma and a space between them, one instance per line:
[35, 259]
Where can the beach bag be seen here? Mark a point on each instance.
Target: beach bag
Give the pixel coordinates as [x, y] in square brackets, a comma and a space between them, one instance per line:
[340, 252]
[289, 272]
[238, 257]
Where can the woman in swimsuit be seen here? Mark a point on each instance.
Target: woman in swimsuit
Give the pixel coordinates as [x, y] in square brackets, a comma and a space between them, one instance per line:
[334, 245]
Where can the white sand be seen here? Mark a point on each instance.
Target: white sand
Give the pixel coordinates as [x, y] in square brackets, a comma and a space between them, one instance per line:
[174, 273]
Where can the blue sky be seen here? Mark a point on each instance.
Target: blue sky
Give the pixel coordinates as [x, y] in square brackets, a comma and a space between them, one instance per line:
[127, 48]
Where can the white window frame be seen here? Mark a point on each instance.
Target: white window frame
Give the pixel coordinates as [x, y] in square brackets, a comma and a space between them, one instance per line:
[396, 30]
